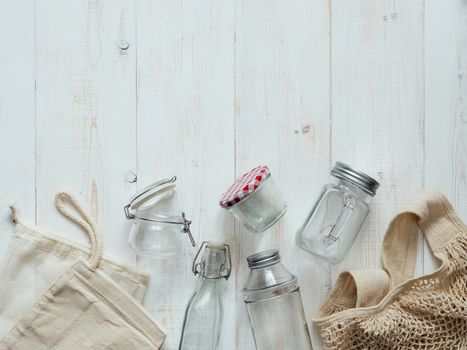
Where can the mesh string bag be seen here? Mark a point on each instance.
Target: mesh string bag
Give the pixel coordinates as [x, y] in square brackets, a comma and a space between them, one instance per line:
[388, 308]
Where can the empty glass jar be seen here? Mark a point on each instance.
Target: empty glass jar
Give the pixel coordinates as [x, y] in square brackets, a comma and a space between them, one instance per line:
[274, 305]
[153, 233]
[254, 200]
[338, 215]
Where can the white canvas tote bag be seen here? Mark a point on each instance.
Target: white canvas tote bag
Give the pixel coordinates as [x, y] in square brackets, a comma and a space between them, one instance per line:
[35, 259]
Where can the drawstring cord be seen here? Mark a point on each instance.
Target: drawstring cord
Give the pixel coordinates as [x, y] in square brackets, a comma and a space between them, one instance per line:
[14, 214]
[84, 220]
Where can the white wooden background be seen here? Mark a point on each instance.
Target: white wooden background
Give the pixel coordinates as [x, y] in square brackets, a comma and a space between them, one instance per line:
[210, 88]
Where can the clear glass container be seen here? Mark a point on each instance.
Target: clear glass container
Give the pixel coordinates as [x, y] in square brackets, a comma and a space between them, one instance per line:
[152, 233]
[338, 215]
[274, 304]
[203, 316]
[255, 200]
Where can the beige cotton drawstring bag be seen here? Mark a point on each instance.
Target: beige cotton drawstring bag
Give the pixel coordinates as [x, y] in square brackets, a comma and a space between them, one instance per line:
[88, 305]
[388, 309]
[36, 258]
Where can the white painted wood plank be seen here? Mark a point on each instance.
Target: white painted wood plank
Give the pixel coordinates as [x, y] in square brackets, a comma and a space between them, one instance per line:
[446, 103]
[86, 122]
[282, 120]
[17, 113]
[87, 127]
[185, 127]
[377, 104]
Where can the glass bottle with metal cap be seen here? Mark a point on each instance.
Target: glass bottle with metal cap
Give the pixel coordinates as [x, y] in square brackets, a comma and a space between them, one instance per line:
[203, 316]
[274, 304]
[338, 215]
[152, 232]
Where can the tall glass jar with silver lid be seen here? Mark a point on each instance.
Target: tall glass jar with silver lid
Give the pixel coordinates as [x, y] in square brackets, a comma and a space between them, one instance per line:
[338, 215]
[274, 304]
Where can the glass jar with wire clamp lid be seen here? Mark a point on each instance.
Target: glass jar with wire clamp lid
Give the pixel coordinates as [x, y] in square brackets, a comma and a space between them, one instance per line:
[152, 232]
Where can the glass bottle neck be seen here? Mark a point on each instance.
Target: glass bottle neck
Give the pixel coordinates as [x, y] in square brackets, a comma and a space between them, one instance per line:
[207, 287]
[212, 263]
[206, 283]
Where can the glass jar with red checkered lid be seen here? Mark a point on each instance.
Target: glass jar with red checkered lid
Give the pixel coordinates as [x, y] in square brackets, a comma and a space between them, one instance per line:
[254, 200]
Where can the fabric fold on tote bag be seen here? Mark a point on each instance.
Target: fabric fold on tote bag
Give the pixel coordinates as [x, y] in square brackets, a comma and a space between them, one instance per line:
[85, 308]
[389, 309]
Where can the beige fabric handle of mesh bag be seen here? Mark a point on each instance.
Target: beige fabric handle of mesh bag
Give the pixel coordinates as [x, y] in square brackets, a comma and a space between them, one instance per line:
[388, 309]
[434, 215]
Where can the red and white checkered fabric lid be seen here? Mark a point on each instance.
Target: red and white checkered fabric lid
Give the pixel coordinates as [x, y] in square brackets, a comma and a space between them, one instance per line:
[244, 186]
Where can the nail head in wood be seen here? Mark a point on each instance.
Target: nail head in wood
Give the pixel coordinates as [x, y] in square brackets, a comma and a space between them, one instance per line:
[123, 45]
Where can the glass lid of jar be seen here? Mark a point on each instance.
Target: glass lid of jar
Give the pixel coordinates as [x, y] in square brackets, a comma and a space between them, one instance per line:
[141, 204]
[149, 196]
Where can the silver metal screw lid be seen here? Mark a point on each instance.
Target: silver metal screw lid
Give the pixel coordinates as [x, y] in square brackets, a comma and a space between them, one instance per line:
[356, 177]
[263, 259]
